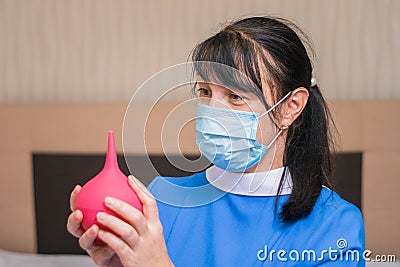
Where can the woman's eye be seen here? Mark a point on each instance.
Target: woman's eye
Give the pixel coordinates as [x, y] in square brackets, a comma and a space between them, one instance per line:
[203, 92]
[236, 97]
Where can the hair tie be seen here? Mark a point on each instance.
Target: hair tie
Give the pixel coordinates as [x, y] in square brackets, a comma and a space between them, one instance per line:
[313, 82]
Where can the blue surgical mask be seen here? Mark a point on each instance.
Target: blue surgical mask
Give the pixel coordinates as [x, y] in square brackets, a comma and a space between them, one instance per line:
[227, 137]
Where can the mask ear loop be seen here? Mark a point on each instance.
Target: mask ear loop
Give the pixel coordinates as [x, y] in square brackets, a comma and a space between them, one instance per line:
[277, 103]
[281, 129]
[278, 134]
[274, 106]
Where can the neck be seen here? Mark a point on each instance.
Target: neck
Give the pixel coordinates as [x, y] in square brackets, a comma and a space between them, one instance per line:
[277, 160]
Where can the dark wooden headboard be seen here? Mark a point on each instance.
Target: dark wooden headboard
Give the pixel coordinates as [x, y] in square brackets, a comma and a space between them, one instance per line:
[55, 175]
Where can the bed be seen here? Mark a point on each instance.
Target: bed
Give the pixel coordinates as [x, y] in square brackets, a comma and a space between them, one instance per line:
[16, 259]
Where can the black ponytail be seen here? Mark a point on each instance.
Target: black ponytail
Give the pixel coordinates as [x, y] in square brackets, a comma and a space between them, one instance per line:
[308, 156]
[271, 51]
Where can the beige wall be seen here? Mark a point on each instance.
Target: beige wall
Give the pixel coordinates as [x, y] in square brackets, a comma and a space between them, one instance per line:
[372, 127]
[368, 126]
[102, 50]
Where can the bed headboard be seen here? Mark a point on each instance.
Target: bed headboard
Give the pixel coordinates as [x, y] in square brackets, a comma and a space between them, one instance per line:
[55, 175]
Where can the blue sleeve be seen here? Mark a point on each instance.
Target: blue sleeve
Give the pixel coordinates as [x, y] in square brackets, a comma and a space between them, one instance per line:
[167, 213]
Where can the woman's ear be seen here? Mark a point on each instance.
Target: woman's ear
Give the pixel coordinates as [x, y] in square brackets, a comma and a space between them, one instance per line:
[293, 106]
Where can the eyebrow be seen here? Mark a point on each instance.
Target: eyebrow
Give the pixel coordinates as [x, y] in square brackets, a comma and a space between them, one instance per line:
[206, 84]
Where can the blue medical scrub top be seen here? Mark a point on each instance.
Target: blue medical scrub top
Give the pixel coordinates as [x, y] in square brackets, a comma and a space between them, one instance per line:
[243, 230]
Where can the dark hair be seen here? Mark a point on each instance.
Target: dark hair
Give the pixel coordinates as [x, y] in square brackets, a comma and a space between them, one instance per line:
[272, 50]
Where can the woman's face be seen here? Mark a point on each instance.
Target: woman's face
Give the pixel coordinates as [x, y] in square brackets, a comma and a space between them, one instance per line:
[222, 97]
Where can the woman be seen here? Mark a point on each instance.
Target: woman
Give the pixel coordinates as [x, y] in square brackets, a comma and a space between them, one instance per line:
[290, 216]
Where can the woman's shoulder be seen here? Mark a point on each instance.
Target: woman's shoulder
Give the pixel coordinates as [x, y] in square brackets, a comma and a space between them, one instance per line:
[174, 193]
[189, 191]
[338, 219]
[332, 208]
[334, 223]
[194, 180]
[333, 215]
[331, 202]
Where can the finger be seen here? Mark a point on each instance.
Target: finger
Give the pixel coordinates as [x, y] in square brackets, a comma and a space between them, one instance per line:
[126, 231]
[87, 240]
[118, 245]
[132, 215]
[150, 209]
[74, 223]
[103, 255]
[72, 199]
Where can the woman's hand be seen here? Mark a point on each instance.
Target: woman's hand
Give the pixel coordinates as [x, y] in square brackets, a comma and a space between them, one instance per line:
[101, 253]
[137, 242]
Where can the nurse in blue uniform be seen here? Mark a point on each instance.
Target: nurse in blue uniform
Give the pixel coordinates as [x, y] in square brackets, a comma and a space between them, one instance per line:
[267, 200]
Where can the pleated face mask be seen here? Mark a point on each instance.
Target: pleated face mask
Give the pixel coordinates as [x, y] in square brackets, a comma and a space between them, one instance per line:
[227, 137]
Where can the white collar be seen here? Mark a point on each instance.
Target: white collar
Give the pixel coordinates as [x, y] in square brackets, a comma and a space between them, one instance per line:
[250, 184]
